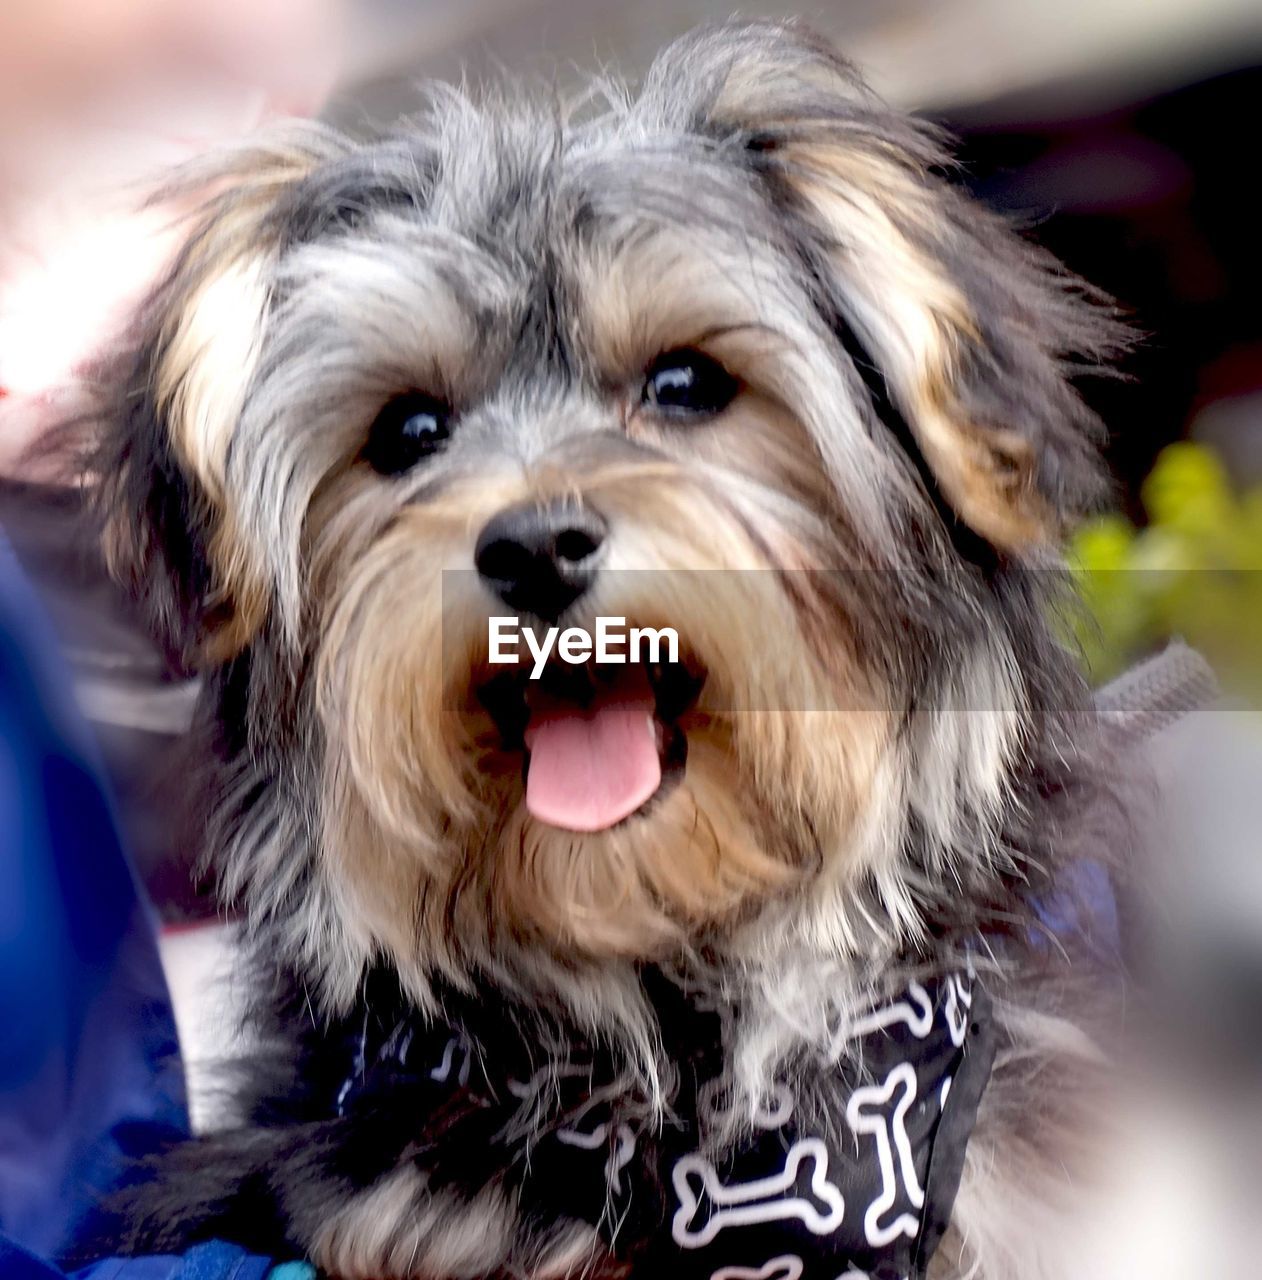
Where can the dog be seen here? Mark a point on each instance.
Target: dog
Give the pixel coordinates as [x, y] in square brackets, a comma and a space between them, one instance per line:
[740, 964]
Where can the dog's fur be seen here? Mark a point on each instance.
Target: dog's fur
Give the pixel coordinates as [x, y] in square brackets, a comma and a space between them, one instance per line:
[891, 755]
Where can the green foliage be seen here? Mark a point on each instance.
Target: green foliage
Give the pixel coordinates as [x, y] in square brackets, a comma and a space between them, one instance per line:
[1191, 571]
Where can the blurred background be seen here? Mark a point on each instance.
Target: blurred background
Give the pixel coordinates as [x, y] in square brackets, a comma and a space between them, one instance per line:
[1123, 131]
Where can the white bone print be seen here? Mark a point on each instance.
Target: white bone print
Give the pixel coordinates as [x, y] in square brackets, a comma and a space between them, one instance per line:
[619, 1157]
[915, 1012]
[707, 1205]
[457, 1045]
[773, 1111]
[786, 1267]
[869, 1112]
[776, 1109]
[959, 1001]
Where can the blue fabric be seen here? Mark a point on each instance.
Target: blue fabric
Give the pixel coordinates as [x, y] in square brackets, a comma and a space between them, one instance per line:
[17, 1263]
[212, 1261]
[89, 1064]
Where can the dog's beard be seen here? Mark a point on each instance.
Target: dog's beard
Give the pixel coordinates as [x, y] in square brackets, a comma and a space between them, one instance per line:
[765, 745]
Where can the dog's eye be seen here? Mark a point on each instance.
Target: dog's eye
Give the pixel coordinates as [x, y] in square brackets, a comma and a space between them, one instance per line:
[687, 384]
[410, 428]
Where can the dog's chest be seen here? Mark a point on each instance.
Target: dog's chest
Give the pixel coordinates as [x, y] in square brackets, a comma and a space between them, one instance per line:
[847, 1171]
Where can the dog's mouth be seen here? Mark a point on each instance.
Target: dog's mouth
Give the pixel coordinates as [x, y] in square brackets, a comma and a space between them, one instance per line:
[600, 743]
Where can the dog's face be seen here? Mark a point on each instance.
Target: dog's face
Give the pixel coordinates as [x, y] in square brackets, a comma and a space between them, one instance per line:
[728, 358]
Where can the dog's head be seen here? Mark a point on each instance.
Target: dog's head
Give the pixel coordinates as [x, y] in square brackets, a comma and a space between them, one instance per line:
[728, 356]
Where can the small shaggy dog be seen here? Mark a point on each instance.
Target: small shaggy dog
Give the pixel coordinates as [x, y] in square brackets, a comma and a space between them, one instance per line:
[751, 965]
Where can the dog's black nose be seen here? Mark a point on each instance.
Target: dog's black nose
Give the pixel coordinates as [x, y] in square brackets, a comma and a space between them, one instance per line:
[540, 559]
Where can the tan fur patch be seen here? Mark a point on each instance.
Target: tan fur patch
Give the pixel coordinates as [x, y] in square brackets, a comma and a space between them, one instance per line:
[210, 345]
[918, 323]
[208, 358]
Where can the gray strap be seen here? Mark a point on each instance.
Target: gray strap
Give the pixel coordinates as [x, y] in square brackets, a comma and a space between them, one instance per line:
[1158, 691]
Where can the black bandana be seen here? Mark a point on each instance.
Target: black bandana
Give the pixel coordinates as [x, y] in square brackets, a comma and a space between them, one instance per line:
[856, 1183]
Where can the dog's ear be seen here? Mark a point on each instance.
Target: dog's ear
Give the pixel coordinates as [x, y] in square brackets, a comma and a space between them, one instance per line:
[973, 332]
[160, 464]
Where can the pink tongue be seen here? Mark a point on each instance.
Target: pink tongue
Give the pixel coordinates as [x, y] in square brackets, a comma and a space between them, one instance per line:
[589, 771]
